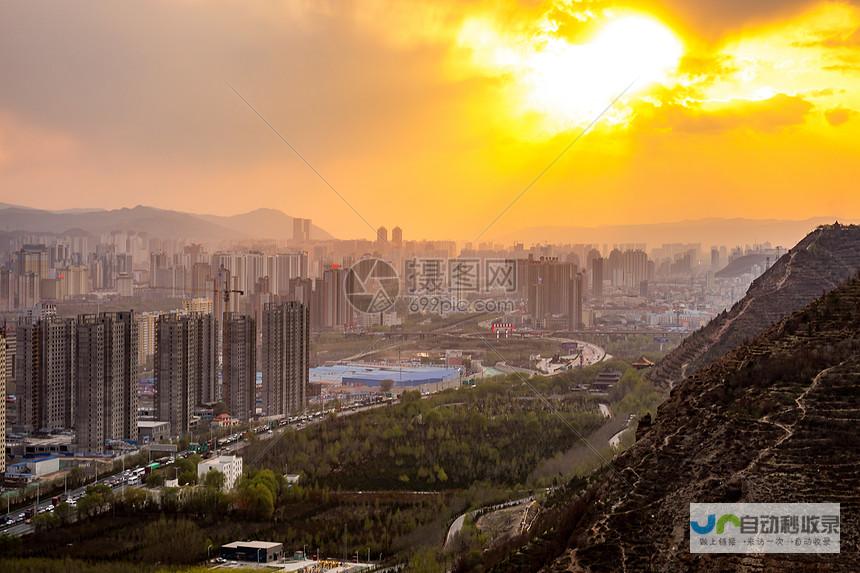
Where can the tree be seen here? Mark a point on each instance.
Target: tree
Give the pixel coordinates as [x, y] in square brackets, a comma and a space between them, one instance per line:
[45, 521]
[214, 480]
[75, 477]
[386, 385]
[63, 513]
[90, 504]
[424, 561]
[134, 499]
[155, 479]
[256, 501]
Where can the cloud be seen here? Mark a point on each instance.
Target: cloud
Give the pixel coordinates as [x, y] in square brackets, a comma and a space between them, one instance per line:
[123, 103]
[716, 18]
[839, 116]
[779, 112]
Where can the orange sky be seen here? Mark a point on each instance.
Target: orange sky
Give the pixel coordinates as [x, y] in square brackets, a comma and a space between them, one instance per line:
[434, 115]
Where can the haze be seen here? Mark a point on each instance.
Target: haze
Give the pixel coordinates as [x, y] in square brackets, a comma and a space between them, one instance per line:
[404, 107]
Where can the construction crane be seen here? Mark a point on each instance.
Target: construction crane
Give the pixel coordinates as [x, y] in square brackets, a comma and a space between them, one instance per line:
[226, 292]
[215, 291]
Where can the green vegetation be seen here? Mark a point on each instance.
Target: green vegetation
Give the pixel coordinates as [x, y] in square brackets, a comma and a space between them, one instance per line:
[631, 347]
[497, 432]
[388, 481]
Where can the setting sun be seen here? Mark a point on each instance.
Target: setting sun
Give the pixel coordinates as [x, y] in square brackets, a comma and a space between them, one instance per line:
[573, 82]
[565, 82]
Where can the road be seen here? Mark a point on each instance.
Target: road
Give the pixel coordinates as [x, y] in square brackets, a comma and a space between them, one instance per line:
[604, 410]
[615, 440]
[20, 526]
[457, 524]
[133, 476]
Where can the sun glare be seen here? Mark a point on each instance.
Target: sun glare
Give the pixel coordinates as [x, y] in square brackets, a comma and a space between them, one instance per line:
[568, 83]
[573, 82]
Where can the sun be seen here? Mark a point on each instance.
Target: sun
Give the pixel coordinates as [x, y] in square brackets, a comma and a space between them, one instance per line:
[571, 83]
[565, 83]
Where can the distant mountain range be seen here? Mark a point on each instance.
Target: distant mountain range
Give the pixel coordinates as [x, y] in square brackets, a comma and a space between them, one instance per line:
[707, 232]
[257, 224]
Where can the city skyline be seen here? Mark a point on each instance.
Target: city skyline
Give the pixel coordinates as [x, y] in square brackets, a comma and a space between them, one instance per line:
[432, 286]
[464, 106]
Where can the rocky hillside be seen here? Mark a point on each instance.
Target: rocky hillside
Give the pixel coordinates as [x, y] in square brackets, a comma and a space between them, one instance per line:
[774, 420]
[824, 259]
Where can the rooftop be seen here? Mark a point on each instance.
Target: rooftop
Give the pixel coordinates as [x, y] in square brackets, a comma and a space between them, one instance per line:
[150, 423]
[220, 460]
[253, 544]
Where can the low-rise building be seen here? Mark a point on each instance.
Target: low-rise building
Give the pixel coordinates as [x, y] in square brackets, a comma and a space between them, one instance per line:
[153, 431]
[253, 551]
[606, 380]
[230, 466]
[34, 468]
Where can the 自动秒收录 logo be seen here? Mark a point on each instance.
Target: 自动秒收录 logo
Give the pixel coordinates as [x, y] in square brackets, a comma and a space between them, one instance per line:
[764, 527]
[712, 522]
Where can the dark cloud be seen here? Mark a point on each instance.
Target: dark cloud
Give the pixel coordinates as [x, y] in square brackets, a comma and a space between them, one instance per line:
[714, 18]
[151, 78]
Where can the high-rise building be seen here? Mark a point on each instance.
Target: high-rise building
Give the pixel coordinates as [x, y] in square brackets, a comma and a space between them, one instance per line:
[197, 304]
[45, 369]
[597, 278]
[106, 369]
[239, 371]
[285, 357]
[548, 281]
[574, 313]
[146, 337]
[285, 267]
[301, 230]
[184, 367]
[634, 268]
[715, 259]
[303, 291]
[3, 405]
[10, 335]
[335, 310]
[33, 259]
[208, 390]
[397, 237]
[382, 236]
[201, 274]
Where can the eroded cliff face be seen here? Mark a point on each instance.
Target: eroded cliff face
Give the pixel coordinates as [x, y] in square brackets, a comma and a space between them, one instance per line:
[823, 260]
[774, 420]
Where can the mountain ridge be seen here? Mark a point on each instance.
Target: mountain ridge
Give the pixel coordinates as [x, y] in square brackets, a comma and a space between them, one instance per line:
[706, 232]
[821, 261]
[256, 224]
[774, 420]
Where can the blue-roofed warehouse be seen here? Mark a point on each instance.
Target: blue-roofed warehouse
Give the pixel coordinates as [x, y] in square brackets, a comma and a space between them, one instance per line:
[366, 375]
